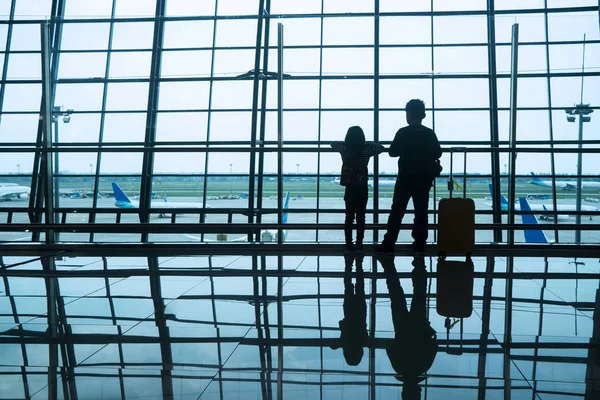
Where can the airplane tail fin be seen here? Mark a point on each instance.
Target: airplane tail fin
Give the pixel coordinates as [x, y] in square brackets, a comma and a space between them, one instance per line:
[284, 217]
[536, 181]
[457, 185]
[503, 200]
[531, 235]
[119, 194]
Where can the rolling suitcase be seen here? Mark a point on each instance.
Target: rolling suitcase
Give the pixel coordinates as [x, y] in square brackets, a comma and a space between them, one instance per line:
[456, 224]
[454, 288]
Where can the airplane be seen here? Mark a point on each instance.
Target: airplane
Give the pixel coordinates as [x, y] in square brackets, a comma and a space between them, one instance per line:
[9, 191]
[531, 235]
[569, 185]
[544, 207]
[382, 182]
[265, 235]
[122, 201]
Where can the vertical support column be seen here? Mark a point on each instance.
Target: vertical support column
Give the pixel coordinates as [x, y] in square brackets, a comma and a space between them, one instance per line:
[279, 131]
[514, 69]
[252, 168]
[150, 136]
[507, 365]
[494, 136]
[375, 233]
[47, 185]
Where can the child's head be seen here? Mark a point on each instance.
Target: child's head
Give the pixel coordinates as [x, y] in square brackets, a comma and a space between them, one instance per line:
[355, 139]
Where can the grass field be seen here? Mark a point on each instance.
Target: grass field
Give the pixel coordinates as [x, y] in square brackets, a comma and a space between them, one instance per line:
[478, 188]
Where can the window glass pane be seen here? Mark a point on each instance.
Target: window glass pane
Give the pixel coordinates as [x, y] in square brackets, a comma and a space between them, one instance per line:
[81, 128]
[442, 5]
[297, 61]
[348, 6]
[88, 9]
[241, 32]
[301, 31]
[405, 30]
[297, 7]
[352, 94]
[80, 96]
[183, 95]
[533, 125]
[130, 65]
[25, 37]
[571, 3]
[232, 94]
[296, 94]
[230, 126]
[189, 126]
[532, 59]
[451, 60]
[25, 97]
[188, 34]
[531, 27]
[473, 29]
[572, 26]
[33, 9]
[235, 62]
[178, 163]
[397, 92]
[127, 96]
[518, 4]
[297, 125]
[3, 36]
[405, 60]
[347, 61]
[568, 58]
[18, 128]
[5, 7]
[70, 65]
[461, 93]
[223, 163]
[400, 6]
[124, 127]
[84, 36]
[190, 8]
[335, 124]
[348, 30]
[531, 92]
[133, 35]
[238, 7]
[135, 8]
[566, 91]
[76, 163]
[462, 125]
[112, 163]
[186, 63]
[24, 66]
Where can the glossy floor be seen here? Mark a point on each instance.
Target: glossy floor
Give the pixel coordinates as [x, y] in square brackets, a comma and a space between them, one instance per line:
[229, 327]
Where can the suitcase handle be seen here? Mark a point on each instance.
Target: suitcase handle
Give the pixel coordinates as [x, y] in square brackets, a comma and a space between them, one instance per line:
[451, 181]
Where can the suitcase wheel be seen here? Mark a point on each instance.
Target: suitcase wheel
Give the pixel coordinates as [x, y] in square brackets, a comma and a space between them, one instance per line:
[441, 255]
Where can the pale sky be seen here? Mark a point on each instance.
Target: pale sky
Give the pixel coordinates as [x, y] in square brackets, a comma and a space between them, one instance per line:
[300, 95]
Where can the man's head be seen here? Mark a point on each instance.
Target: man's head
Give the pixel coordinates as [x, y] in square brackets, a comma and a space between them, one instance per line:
[415, 112]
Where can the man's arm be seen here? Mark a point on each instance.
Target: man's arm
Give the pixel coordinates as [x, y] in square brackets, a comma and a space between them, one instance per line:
[397, 145]
[436, 150]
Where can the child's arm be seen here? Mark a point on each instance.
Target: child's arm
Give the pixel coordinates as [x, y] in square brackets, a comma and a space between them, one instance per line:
[374, 148]
[338, 146]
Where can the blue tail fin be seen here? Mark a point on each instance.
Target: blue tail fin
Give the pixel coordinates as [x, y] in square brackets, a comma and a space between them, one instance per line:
[537, 181]
[531, 235]
[284, 217]
[120, 196]
[503, 200]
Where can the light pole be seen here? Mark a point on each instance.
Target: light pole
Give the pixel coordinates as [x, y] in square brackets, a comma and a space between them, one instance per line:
[18, 169]
[582, 111]
[230, 179]
[297, 169]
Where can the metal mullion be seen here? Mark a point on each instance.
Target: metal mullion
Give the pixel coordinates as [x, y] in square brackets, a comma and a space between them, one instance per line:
[161, 324]
[485, 327]
[259, 329]
[92, 215]
[150, 135]
[540, 327]
[269, 352]
[216, 326]
[433, 116]
[280, 330]
[209, 115]
[320, 322]
[263, 122]
[319, 120]
[512, 161]
[551, 130]
[255, 87]
[508, 309]
[11, 17]
[494, 134]
[372, 331]
[376, 37]
[279, 134]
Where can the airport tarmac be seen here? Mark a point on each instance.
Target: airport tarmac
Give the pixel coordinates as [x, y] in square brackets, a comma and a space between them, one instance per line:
[325, 204]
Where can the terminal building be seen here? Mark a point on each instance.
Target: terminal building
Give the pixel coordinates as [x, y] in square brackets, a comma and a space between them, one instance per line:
[172, 215]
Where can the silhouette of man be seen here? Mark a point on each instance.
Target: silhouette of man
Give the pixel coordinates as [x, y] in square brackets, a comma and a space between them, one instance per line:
[418, 165]
[353, 328]
[414, 347]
